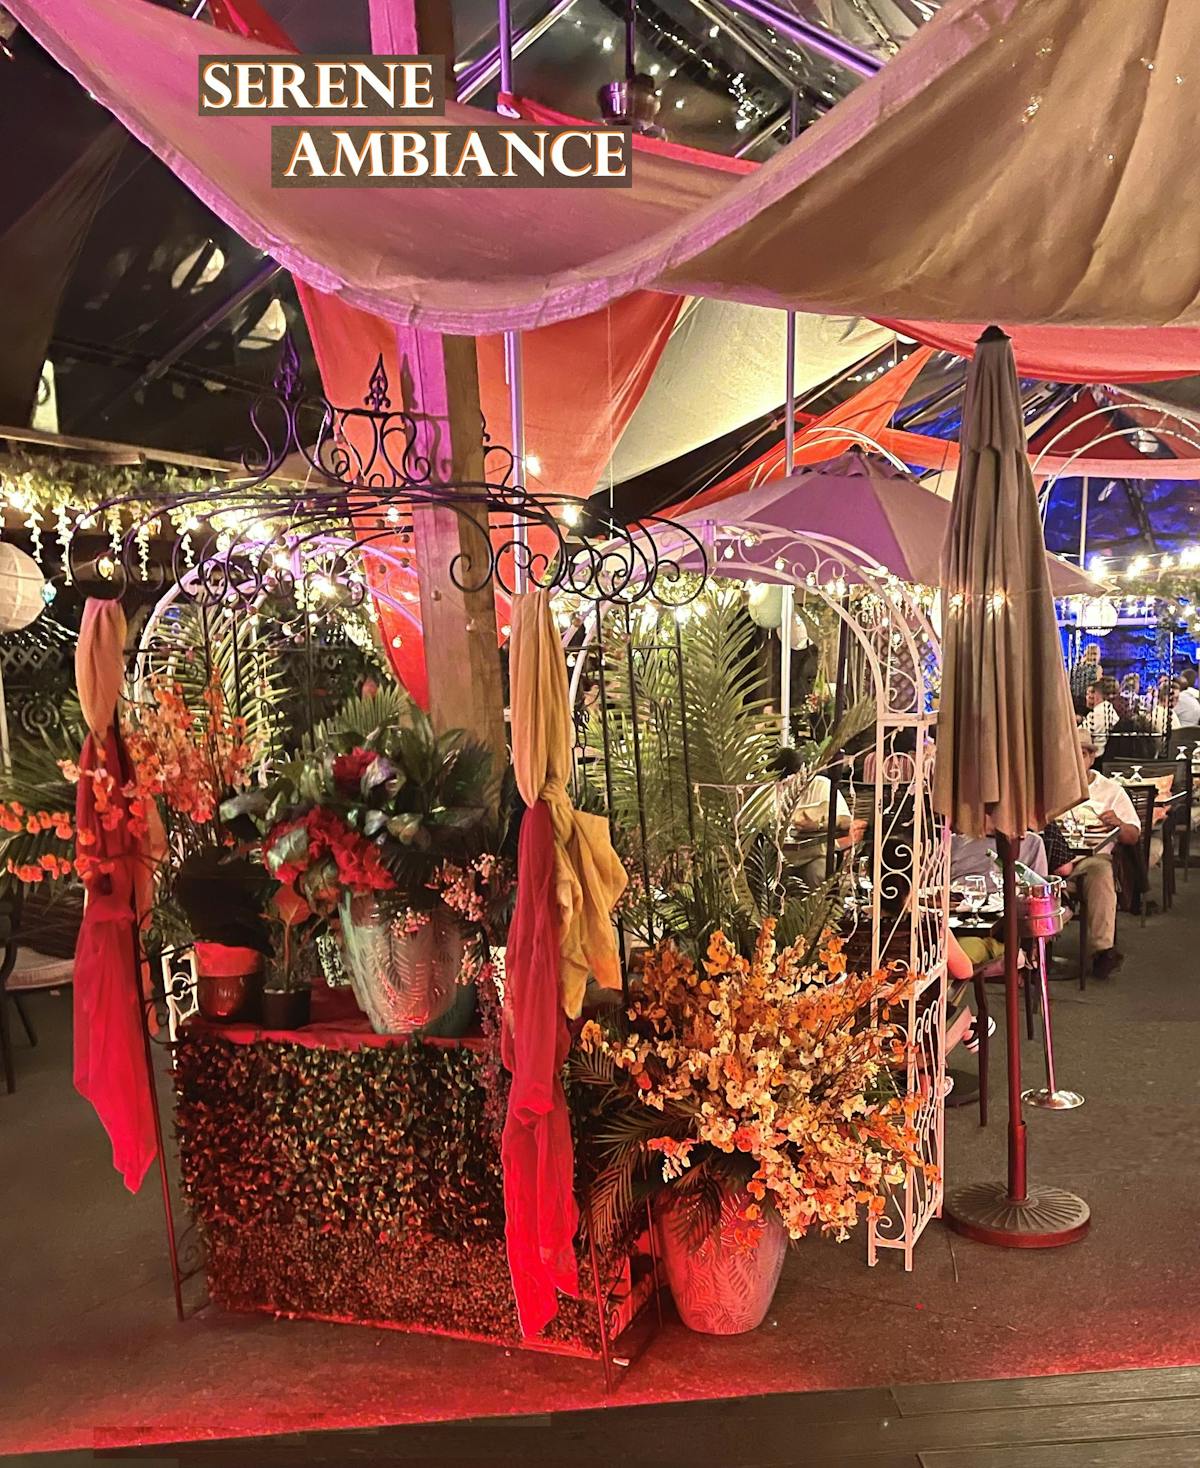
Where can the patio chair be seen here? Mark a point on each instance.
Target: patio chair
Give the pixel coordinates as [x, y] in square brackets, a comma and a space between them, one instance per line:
[10, 915]
[1170, 778]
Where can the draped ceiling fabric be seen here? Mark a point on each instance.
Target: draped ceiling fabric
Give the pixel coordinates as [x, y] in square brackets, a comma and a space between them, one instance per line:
[1073, 151]
[583, 380]
[725, 366]
[1059, 354]
[942, 454]
[1076, 353]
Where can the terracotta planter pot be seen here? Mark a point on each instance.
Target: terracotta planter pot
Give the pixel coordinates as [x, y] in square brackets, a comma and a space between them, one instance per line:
[405, 982]
[227, 981]
[725, 1284]
[286, 1009]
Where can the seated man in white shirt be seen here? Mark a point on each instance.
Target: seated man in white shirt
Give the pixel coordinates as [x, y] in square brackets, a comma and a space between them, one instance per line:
[1108, 804]
[808, 825]
[1100, 717]
[1186, 713]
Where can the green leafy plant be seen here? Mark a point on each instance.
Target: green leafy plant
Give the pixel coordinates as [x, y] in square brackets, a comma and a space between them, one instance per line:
[698, 810]
[377, 800]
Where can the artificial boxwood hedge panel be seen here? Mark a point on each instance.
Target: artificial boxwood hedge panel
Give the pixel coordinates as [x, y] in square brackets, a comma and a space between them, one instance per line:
[354, 1184]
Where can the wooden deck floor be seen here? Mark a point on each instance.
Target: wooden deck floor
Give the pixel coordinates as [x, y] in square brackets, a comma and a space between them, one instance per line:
[1126, 1419]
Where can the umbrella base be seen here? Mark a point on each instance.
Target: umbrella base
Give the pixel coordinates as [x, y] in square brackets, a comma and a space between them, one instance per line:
[1053, 1100]
[1048, 1218]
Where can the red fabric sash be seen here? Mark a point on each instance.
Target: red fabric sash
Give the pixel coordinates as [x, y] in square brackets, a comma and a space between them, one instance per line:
[539, 1172]
[110, 1063]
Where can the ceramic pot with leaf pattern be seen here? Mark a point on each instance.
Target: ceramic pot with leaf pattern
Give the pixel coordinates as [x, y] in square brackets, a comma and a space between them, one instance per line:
[723, 1281]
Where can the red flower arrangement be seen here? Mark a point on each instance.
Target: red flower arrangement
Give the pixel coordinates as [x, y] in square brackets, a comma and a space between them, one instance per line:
[319, 856]
[348, 770]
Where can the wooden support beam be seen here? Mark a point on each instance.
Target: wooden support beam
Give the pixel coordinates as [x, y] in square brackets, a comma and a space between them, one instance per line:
[441, 383]
[440, 380]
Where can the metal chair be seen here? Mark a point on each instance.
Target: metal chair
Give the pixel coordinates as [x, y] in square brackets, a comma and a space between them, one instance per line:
[1181, 747]
[10, 915]
[1177, 823]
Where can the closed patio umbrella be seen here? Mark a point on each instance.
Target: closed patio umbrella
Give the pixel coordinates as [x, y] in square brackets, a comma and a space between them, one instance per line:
[1008, 757]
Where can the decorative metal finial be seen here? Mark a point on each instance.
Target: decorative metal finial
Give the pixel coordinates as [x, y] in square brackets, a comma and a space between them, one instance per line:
[288, 382]
[377, 389]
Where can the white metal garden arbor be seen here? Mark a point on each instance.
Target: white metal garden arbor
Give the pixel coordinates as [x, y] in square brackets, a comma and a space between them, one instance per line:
[894, 653]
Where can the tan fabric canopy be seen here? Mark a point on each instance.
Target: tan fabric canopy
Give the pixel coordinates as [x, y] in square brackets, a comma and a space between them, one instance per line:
[724, 366]
[590, 877]
[1031, 162]
[1007, 753]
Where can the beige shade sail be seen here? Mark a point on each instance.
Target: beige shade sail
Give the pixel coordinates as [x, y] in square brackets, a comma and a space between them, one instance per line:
[1008, 757]
[1025, 160]
[724, 366]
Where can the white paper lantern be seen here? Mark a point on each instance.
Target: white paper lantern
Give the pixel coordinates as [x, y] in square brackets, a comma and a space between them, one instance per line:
[1097, 614]
[765, 604]
[21, 588]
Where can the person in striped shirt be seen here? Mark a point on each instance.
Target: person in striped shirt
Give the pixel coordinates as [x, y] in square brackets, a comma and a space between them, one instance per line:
[1100, 718]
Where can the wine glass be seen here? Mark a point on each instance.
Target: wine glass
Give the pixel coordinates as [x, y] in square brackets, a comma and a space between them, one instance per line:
[974, 892]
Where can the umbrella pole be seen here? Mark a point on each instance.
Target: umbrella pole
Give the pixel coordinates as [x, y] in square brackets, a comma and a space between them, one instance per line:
[1012, 1214]
[1017, 1171]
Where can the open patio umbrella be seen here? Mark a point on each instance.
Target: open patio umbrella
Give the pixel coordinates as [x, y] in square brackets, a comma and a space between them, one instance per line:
[863, 501]
[1007, 758]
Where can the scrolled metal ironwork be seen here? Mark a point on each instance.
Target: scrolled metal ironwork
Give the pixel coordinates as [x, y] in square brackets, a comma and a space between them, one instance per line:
[369, 476]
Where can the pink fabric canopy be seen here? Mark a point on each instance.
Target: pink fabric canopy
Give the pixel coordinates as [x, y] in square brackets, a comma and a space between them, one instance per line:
[1077, 353]
[1069, 201]
[942, 453]
[1058, 353]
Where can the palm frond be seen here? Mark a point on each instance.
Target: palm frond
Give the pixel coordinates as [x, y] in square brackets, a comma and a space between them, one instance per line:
[195, 646]
[697, 1199]
[360, 718]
